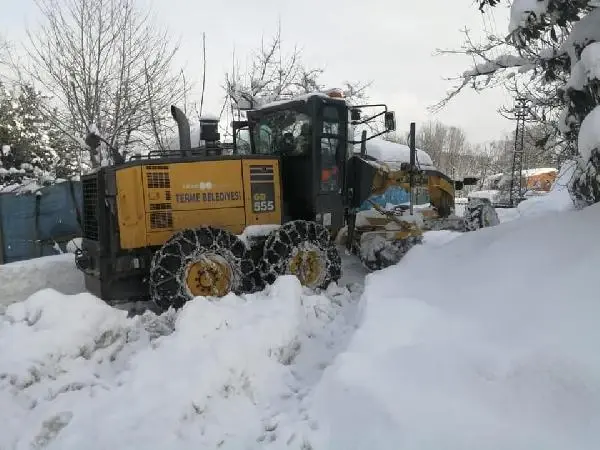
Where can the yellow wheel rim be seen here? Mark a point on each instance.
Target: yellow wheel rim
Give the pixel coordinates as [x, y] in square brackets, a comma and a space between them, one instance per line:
[307, 266]
[209, 276]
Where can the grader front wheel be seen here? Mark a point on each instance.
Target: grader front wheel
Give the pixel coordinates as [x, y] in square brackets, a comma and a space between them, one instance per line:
[304, 249]
[205, 261]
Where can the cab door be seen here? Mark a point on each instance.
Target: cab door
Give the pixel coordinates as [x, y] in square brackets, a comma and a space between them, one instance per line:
[330, 157]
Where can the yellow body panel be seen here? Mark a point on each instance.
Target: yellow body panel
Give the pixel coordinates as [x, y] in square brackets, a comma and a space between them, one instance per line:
[196, 185]
[231, 219]
[130, 207]
[156, 200]
[441, 192]
[263, 192]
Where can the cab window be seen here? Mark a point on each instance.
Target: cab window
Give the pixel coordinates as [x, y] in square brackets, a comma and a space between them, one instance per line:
[286, 131]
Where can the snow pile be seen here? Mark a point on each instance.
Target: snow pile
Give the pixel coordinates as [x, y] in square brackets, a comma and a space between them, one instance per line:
[488, 341]
[229, 374]
[21, 279]
[558, 199]
[388, 151]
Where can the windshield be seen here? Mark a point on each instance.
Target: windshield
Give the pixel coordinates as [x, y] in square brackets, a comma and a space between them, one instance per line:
[286, 131]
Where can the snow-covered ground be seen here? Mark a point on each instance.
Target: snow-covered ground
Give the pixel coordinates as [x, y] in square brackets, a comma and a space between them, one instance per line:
[21, 279]
[484, 340]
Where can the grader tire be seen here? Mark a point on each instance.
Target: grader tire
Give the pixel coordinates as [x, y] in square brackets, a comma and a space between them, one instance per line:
[304, 249]
[376, 252]
[480, 213]
[205, 261]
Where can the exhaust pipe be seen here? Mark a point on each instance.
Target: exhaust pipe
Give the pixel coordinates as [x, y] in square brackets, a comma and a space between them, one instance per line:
[183, 126]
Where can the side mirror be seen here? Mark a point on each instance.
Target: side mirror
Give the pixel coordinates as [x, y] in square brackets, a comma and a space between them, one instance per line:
[458, 185]
[355, 114]
[390, 121]
[470, 181]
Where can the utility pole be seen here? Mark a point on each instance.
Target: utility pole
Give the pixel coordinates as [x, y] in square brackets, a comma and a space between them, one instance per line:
[413, 157]
[516, 179]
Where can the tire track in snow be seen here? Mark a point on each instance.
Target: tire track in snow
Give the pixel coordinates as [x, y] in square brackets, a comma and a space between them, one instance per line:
[288, 422]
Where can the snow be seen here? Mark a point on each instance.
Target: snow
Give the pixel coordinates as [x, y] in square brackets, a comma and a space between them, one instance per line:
[584, 31]
[27, 186]
[501, 62]
[21, 279]
[297, 98]
[590, 58]
[589, 134]
[493, 195]
[538, 171]
[556, 200]
[73, 245]
[227, 374]
[388, 151]
[521, 9]
[480, 340]
[256, 231]
[504, 359]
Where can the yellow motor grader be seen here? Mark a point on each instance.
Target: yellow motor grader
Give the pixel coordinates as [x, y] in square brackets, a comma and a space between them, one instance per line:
[211, 218]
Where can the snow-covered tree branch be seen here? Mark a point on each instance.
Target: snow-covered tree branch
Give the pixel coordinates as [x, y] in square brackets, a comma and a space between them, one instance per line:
[550, 57]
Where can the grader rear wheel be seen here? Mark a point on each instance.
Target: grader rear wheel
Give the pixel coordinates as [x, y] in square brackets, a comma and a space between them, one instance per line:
[304, 249]
[205, 261]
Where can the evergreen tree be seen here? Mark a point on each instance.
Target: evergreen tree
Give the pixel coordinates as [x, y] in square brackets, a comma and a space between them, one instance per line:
[31, 149]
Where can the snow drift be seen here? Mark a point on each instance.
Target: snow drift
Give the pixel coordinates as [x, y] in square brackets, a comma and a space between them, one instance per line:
[21, 279]
[75, 373]
[486, 342]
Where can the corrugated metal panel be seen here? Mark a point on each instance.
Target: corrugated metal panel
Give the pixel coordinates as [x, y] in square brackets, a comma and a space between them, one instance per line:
[30, 224]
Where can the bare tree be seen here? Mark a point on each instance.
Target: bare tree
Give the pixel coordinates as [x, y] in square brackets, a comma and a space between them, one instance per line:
[107, 64]
[275, 74]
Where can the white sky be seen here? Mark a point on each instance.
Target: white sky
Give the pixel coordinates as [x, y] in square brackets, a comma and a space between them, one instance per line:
[391, 42]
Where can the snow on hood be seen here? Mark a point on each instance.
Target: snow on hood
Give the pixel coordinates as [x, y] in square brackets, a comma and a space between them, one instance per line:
[388, 151]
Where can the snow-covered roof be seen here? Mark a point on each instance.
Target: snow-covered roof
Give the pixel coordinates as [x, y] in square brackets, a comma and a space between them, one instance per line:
[539, 171]
[388, 151]
[302, 97]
